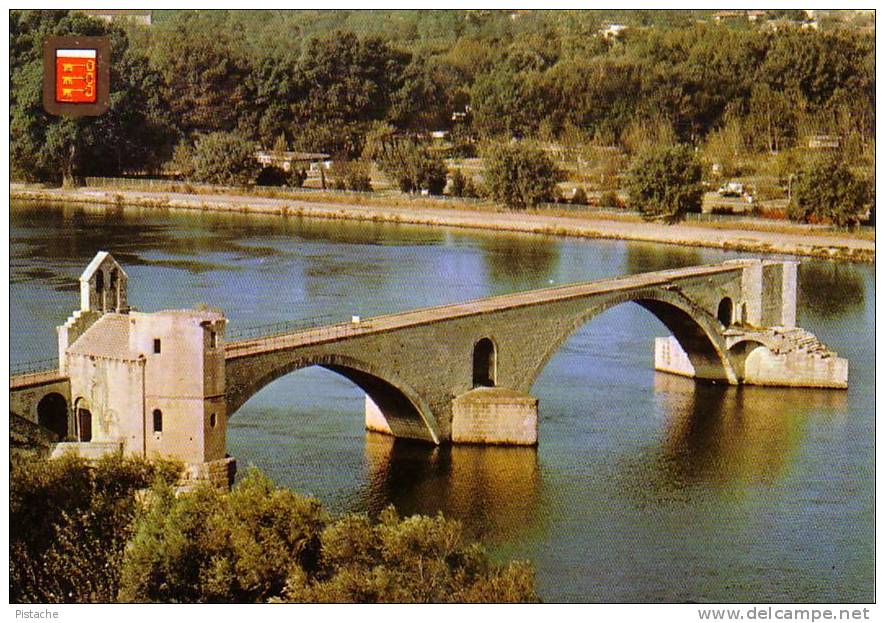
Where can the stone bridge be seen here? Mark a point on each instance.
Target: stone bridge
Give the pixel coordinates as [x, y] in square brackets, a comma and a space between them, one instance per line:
[462, 372]
[165, 383]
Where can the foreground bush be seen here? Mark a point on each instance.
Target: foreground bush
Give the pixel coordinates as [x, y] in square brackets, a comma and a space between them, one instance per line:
[117, 531]
[263, 543]
[69, 523]
[413, 560]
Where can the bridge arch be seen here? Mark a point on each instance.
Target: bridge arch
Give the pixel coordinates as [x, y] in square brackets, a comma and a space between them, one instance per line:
[52, 414]
[407, 414]
[697, 331]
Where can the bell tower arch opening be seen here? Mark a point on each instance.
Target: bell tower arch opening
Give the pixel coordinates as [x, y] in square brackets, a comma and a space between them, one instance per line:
[484, 363]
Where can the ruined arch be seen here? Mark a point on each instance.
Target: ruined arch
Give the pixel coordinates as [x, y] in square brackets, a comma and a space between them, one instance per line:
[406, 412]
[52, 414]
[696, 330]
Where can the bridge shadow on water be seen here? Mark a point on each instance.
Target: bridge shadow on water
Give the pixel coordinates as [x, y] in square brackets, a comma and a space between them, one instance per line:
[493, 490]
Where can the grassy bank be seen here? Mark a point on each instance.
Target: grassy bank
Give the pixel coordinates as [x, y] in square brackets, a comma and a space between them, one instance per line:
[777, 238]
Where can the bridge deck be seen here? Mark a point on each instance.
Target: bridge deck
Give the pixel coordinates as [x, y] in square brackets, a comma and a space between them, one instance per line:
[30, 379]
[380, 324]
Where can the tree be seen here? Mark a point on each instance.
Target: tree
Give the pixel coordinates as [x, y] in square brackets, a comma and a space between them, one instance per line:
[225, 158]
[520, 177]
[411, 165]
[825, 188]
[351, 175]
[665, 180]
[462, 185]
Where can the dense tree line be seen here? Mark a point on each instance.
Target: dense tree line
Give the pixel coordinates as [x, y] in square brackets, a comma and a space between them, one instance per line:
[117, 531]
[325, 81]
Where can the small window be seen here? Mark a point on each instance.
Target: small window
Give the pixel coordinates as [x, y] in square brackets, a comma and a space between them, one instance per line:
[213, 339]
[156, 346]
[212, 420]
[158, 421]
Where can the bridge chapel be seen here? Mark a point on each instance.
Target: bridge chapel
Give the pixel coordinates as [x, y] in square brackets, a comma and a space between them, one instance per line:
[145, 384]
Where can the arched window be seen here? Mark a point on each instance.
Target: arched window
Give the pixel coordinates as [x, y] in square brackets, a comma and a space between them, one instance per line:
[484, 363]
[725, 312]
[113, 283]
[99, 281]
[158, 421]
[212, 420]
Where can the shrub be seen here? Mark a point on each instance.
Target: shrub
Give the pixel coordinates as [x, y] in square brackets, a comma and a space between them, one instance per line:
[520, 177]
[610, 199]
[351, 175]
[263, 543]
[413, 167]
[69, 524]
[462, 185]
[225, 158]
[415, 560]
[826, 189]
[665, 180]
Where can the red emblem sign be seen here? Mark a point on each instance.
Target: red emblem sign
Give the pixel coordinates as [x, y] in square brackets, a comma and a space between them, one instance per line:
[75, 76]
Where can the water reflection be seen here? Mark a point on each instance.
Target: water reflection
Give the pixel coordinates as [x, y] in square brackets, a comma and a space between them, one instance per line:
[733, 437]
[643, 257]
[493, 491]
[512, 261]
[829, 289]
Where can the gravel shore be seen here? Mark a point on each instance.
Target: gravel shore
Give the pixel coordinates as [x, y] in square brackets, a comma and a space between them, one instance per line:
[799, 242]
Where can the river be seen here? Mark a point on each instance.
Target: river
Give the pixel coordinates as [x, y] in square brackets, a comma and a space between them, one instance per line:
[644, 487]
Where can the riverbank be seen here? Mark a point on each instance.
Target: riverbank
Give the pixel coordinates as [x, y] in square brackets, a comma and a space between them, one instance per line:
[787, 239]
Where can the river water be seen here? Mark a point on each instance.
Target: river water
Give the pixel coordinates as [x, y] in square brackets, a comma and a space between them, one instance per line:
[644, 487]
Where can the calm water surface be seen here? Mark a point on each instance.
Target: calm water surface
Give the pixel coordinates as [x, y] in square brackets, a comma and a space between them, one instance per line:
[644, 487]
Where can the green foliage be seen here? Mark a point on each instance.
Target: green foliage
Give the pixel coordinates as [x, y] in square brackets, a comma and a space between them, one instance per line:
[665, 181]
[544, 75]
[226, 159]
[462, 185]
[826, 189]
[519, 176]
[414, 560]
[610, 199]
[69, 524]
[351, 175]
[411, 165]
[205, 546]
[263, 543]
